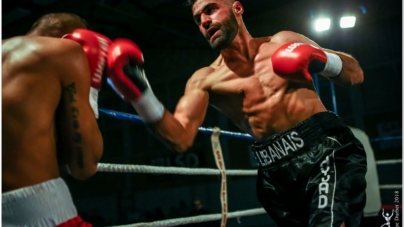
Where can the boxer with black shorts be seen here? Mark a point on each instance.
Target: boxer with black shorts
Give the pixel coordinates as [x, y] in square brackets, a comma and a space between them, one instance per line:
[312, 174]
[312, 169]
[49, 110]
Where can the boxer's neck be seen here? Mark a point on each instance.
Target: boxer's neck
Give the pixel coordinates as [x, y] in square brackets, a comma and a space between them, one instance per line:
[242, 48]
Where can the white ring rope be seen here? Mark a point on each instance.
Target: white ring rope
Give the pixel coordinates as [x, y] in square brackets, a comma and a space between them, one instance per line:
[391, 161]
[196, 219]
[390, 186]
[217, 151]
[124, 168]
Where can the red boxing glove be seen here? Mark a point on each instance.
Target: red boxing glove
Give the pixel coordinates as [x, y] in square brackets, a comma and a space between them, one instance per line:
[95, 46]
[295, 61]
[126, 76]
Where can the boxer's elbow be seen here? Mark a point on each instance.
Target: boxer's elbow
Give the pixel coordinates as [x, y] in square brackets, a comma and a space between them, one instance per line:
[360, 78]
[349, 79]
[83, 173]
[86, 166]
[185, 140]
[352, 73]
[357, 78]
[178, 140]
[356, 73]
[182, 146]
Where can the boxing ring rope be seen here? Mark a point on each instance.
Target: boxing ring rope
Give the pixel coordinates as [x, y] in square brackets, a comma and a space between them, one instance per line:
[217, 152]
[391, 161]
[124, 168]
[127, 168]
[196, 219]
[137, 119]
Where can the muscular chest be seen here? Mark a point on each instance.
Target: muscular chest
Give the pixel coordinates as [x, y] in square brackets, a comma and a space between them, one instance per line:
[246, 85]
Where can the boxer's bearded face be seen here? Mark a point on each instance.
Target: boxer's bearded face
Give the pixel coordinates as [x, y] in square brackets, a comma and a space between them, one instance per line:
[221, 34]
[216, 21]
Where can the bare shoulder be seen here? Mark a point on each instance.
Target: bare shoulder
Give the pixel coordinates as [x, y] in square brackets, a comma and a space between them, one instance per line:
[33, 50]
[198, 80]
[290, 36]
[62, 58]
[55, 46]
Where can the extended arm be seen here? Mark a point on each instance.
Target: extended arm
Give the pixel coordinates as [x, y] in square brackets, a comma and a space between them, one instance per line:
[341, 68]
[179, 130]
[127, 78]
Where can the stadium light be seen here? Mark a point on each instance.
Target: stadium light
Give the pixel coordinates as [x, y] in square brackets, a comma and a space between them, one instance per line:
[322, 24]
[347, 22]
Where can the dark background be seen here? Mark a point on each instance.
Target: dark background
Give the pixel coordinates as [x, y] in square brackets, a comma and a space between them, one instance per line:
[173, 49]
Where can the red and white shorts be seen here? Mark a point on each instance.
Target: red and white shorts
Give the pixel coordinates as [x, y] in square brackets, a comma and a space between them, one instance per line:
[47, 204]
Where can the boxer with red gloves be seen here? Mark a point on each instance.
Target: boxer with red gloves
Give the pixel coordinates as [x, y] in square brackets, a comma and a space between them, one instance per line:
[311, 167]
[49, 126]
[128, 79]
[95, 46]
[294, 60]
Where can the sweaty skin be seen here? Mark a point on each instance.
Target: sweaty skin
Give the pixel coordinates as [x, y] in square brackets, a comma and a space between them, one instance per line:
[47, 119]
[257, 100]
[241, 82]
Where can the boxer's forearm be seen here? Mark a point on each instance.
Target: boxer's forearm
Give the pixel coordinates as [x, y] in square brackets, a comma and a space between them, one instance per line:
[179, 130]
[173, 133]
[351, 73]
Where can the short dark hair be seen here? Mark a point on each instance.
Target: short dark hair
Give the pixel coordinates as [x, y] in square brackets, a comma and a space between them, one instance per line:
[190, 2]
[58, 24]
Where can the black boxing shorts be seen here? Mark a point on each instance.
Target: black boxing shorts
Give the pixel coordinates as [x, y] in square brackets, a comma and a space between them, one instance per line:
[313, 174]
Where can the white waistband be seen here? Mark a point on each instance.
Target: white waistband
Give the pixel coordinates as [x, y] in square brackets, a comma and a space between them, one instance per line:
[45, 204]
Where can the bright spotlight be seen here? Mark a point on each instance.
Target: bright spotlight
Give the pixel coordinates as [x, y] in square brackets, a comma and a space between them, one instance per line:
[322, 24]
[347, 22]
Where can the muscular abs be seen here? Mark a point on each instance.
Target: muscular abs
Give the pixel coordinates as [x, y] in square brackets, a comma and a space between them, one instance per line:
[257, 100]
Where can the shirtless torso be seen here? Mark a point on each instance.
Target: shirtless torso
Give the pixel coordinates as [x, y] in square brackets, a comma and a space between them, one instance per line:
[49, 127]
[264, 86]
[256, 99]
[37, 73]
[242, 82]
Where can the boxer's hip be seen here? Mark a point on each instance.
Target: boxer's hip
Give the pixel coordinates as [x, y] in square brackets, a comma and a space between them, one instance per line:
[305, 169]
[45, 204]
[324, 129]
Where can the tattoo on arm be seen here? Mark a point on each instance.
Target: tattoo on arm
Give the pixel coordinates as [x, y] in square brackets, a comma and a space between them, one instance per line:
[71, 90]
[77, 137]
[74, 111]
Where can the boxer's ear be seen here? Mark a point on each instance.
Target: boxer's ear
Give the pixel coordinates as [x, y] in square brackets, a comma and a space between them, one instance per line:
[238, 9]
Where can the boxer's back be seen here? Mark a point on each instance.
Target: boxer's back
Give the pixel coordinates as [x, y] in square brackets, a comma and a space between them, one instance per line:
[31, 90]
